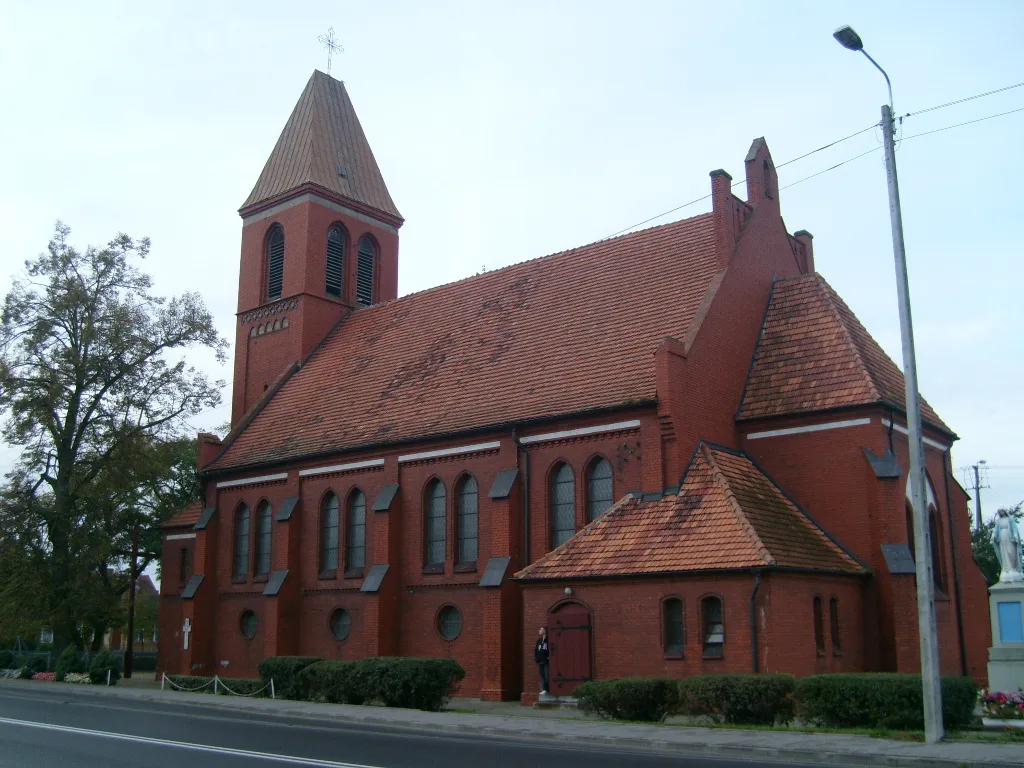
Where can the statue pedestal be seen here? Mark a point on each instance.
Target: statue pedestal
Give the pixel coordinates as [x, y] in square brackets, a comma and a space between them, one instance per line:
[1006, 656]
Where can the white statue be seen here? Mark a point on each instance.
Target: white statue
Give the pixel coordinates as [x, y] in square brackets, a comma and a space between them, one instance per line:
[1009, 547]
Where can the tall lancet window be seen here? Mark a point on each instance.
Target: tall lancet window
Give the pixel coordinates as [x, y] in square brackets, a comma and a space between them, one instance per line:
[367, 259]
[275, 263]
[335, 260]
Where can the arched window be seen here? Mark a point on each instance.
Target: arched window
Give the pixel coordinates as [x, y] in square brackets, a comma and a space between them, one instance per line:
[335, 260]
[467, 520]
[563, 505]
[329, 535]
[275, 263]
[355, 540]
[365, 264]
[263, 539]
[599, 488]
[714, 627]
[833, 615]
[938, 572]
[435, 523]
[819, 626]
[241, 541]
[673, 626]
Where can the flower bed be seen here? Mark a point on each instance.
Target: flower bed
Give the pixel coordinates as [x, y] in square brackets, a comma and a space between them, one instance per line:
[77, 677]
[1003, 706]
[10, 674]
[47, 677]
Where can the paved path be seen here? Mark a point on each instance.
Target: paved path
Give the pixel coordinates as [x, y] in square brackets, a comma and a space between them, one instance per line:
[390, 738]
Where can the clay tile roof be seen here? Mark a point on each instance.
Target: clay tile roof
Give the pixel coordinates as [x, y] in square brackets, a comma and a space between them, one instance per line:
[186, 517]
[727, 515]
[814, 354]
[322, 134]
[562, 334]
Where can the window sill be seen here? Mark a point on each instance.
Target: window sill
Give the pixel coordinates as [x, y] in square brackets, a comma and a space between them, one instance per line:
[837, 654]
[238, 580]
[674, 655]
[354, 573]
[325, 575]
[467, 567]
[261, 579]
[821, 654]
[434, 568]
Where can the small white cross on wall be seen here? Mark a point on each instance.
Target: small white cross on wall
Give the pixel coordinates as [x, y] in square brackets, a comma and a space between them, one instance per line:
[186, 630]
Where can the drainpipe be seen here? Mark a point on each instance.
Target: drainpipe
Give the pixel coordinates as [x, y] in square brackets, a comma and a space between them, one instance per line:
[753, 618]
[520, 449]
[947, 463]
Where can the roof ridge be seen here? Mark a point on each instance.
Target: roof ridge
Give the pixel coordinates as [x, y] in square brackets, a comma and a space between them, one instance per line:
[827, 294]
[741, 517]
[496, 270]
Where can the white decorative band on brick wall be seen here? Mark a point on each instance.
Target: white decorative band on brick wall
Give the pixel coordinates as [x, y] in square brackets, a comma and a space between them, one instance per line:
[177, 536]
[809, 428]
[581, 432]
[342, 467]
[253, 480]
[904, 431]
[476, 448]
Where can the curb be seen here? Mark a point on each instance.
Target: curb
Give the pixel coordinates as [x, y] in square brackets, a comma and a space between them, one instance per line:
[720, 751]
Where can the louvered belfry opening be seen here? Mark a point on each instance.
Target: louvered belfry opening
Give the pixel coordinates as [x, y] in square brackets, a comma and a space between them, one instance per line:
[364, 272]
[335, 261]
[275, 264]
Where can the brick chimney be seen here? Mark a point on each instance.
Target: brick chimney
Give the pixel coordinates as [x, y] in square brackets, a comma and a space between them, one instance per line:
[209, 448]
[806, 239]
[723, 210]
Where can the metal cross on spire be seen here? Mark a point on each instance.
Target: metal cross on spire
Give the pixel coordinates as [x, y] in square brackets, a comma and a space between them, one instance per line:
[328, 42]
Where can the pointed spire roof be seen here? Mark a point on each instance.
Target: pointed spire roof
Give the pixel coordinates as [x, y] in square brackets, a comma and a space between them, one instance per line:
[324, 146]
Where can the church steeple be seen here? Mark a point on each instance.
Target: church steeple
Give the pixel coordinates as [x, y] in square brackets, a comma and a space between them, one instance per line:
[319, 238]
[323, 146]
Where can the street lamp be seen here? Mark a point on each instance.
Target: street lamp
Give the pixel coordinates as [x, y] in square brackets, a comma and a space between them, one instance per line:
[932, 691]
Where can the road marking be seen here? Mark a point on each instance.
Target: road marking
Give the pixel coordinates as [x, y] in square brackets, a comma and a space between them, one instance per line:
[185, 745]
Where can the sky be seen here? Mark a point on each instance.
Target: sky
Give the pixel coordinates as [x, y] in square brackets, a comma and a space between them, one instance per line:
[510, 130]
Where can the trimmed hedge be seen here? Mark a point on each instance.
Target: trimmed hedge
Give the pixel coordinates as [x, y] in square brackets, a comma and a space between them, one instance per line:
[101, 664]
[881, 700]
[285, 672]
[739, 699]
[646, 699]
[411, 683]
[244, 686]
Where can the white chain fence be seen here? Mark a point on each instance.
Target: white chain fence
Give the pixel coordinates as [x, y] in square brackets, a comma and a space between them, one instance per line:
[217, 684]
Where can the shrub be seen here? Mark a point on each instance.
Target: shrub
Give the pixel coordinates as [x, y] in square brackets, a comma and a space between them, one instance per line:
[101, 664]
[882, 700]
[336, 682]
[285, 672]
[145, 663]
[25, 673]
[425, 684]
[34, 663]
[648, 699]
[68, 662]
[6, 659]
[739, 699]
[191, 683]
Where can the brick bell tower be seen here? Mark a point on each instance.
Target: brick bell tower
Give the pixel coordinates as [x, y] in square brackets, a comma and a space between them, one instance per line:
[319, 239]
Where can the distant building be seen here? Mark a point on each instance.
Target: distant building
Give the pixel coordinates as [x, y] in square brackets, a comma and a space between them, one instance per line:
[678, 449]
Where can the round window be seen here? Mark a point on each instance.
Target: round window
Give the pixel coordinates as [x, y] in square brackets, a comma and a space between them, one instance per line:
[341, 624]
[449, 622]
[248, 624]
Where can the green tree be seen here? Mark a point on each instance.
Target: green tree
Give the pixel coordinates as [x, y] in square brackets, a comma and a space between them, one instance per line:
[94, 384]
[981, 544]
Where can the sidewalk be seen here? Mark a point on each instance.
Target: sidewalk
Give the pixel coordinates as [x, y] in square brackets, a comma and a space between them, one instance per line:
[509, 720]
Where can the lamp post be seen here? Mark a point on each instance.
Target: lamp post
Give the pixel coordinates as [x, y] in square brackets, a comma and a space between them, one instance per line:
[922, 534]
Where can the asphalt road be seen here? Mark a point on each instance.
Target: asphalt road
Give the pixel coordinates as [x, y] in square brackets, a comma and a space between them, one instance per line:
[40, 727]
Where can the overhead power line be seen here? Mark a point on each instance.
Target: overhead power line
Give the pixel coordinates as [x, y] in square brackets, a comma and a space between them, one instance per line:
[958, 125]
[961, 101]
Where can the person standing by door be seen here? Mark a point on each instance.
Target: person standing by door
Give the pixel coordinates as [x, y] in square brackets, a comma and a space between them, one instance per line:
[540, 655]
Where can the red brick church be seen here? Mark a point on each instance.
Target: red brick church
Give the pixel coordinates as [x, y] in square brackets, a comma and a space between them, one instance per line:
[678, 449]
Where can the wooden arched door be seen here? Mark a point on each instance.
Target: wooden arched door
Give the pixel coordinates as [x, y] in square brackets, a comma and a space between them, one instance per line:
[569, 632]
